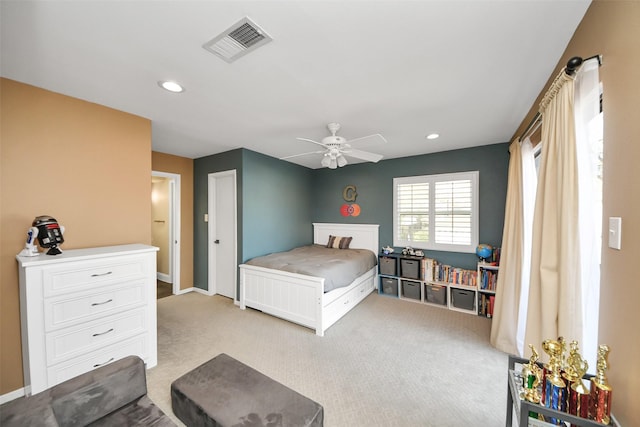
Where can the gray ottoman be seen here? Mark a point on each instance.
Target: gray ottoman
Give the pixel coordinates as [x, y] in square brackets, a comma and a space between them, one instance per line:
[225, 392]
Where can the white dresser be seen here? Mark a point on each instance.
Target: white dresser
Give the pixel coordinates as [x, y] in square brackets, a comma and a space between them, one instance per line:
[86, 308]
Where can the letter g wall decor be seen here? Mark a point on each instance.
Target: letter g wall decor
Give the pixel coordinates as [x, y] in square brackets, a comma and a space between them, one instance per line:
[349, 194]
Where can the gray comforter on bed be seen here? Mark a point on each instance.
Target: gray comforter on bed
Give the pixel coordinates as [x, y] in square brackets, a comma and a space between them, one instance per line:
[339, 267]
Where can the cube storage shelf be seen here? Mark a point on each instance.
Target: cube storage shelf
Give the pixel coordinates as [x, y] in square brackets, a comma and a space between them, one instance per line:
[463, 298]
[487, 281]
[411, 289]
[401, 276]
[435, 293]
[388, 286]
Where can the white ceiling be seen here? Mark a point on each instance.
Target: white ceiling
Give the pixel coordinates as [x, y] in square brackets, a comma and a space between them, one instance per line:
[468, 70]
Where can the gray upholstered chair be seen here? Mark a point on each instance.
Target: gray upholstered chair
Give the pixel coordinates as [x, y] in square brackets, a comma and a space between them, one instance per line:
[112, 395]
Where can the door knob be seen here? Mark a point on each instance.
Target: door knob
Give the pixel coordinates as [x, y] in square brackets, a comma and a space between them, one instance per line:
[216, 241]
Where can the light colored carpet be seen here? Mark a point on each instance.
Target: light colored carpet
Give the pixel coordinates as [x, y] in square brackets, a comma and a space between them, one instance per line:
[387, 363]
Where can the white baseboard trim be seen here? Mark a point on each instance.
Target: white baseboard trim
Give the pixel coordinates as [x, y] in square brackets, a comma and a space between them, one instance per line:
[204, 292]
[164, 277]
[12, 395]
[195, 289]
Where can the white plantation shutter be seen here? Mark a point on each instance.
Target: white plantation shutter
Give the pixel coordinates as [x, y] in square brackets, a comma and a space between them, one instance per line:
[453, 212]
[413, 211]
[438, 212]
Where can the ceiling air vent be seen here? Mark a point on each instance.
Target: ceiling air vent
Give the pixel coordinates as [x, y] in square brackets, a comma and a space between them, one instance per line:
[238, 40]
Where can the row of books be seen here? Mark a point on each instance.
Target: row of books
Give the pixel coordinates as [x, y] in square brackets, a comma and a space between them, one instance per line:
[488, 279]
[495, 257]
[432, 270]
[485, 305]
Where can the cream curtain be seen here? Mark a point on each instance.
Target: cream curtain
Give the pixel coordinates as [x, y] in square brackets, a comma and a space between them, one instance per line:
[589, 135]
[513, 280]
[549, 282]
[529, 190]
[555, 296]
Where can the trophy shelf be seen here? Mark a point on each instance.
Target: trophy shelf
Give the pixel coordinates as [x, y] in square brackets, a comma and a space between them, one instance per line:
[522, 407]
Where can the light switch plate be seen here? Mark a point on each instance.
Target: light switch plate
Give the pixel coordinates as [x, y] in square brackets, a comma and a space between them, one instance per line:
[206, 217]
[615, 232]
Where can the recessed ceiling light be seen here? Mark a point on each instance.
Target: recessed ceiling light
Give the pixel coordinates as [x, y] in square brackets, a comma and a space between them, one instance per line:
[171, 86]
[433, 136]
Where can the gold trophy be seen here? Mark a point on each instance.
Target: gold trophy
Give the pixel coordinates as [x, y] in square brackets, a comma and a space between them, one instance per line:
[578, 400]
[531, 377]
[553, 348]
[554, 388]
[561, 359]
[600, 400]
[573, 361]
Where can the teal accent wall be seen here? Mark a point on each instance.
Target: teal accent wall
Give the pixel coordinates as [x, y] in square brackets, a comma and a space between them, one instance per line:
[374, 183]
[276, 205]
[202, 167]
[278, 201]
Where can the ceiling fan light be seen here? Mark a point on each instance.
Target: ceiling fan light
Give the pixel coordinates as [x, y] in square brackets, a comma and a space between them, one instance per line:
[325, 161]
[341, 160]
[332, 164]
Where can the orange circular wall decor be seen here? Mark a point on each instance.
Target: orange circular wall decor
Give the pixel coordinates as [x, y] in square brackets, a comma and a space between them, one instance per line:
[350, 209]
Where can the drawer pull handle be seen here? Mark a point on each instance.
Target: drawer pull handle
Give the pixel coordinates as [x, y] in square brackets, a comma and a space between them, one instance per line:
[101, 274]
[102, 303]
[97, 365]
[103, 333]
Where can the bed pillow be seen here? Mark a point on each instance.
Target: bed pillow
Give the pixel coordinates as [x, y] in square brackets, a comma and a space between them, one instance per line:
[338, 242]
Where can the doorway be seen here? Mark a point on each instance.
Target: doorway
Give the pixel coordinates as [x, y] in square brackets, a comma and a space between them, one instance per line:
[222, 234]
[165, 227]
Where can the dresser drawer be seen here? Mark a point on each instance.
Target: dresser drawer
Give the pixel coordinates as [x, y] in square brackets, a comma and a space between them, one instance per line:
[73, 277]
[68, 310]
[71, 342]
[86, 307]
[137, 345]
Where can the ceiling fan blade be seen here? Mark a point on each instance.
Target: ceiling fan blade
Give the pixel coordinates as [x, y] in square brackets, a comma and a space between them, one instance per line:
[363, 155]
[302, 154]
[376, 137]
[311, 140]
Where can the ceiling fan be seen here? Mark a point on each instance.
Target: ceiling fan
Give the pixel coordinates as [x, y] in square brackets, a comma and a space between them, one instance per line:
[337, 147]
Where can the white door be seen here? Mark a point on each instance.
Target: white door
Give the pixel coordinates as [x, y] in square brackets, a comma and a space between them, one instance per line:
[222, 233]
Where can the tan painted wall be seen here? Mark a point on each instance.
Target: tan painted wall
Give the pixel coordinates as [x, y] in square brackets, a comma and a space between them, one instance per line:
[182, 166]
[612, 29]
[87, 165]
[160, 225]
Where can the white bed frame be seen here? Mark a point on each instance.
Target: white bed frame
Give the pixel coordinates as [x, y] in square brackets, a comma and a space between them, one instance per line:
[300, 298]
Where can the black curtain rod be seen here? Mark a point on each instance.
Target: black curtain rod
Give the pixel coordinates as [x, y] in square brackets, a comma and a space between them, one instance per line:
[572, 65]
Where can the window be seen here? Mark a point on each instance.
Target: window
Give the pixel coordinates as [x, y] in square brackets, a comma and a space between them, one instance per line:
[438, 212]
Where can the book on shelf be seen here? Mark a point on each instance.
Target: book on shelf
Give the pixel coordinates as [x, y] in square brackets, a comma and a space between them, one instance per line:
[492, 300]
[485, 305]
[488, 279]
[434, 271]
[426, 268]
[495, 256]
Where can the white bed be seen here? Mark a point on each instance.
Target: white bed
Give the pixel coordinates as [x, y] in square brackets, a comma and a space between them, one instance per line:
[301, 299]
